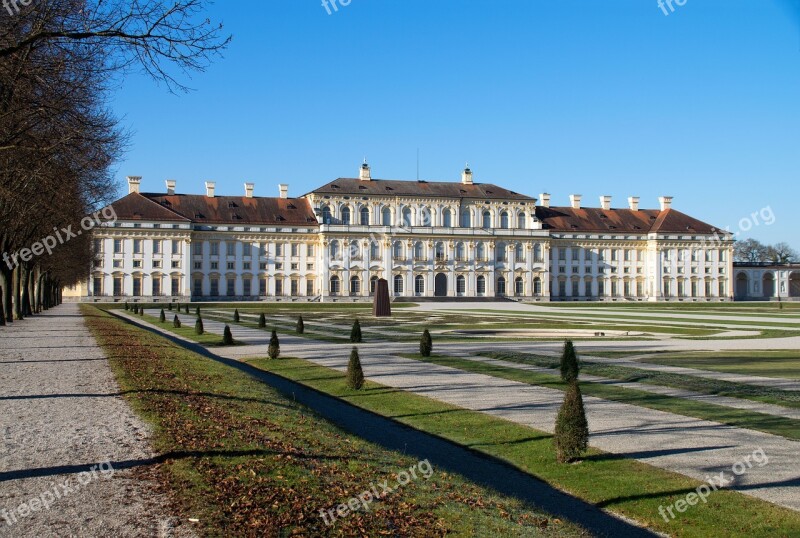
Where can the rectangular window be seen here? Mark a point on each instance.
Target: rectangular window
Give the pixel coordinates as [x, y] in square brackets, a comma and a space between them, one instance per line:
[262, 287]
[214, 287]
[247, 250]
[117, 246]
[295, 287]
[198, 287]
[278, 286]
[562, 254]
[117, 264]
[98, 246]
[295, 250]
[310, 250]
[137, 246]
[576, 254]
[97, 287]
[601, 288]
[576, 292]
[137, 264]
[156, 287]
[262, 266]
[156, 264]
[176, 264]
[215, 248]
[278, 249]
[117, 286]
[562, 288]
[198, 265]
[246, 287]
[262, 250]
[246, 266]
[214, 266]
[137, 287]
[176, 286]
[231, 266]
[156, 247]
[309, 287]
[198, 249]
[230, 249]
[176, 247]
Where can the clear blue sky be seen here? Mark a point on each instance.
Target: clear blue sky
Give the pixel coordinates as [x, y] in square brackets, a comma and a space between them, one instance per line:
[569, 96]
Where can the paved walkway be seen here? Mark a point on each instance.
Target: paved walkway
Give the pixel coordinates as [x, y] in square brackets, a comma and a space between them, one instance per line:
[693, 447]
[61, 414]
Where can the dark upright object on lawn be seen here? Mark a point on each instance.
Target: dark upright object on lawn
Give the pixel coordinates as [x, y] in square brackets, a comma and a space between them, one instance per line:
[382, 308]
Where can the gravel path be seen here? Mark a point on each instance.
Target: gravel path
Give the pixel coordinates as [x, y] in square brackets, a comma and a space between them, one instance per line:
[61, 415]
[692, 447]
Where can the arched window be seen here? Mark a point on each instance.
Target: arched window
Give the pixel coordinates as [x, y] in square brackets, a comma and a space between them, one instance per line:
[537, 286]
[364, 216]
[326, 215]
[481, 285]
[335, 250]
[425, 217]
[461, 252]
[386, 216]
[419, 251]
[355, 285]
[504, 224]
[487, 219]
[374, 250]
[419, 284]
[501, 286]
[345, 215]
[466, 219]
[537, 253]
[373, 282]
[447, 218]
[480, 252]
[519, 287]
[440, 252]
[335, 285]
[461, 285]
[519, 252]
[407, 217]
[398, 285]
[397, 250]
[522, 221]
[355, 250]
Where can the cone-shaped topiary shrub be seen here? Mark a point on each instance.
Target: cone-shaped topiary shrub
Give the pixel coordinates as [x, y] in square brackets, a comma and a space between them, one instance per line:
[236, 315]
[127, 307]
[197, 311]
[141, 310]
[301, 327]
[355, 334]
[262, 321]
[169, 307]
[176, 322]
[227, 337]
[571, 437]
[162, 317]
[569, 363]
[198, 326]
[425, 344]
[355, 374]
[274, 349]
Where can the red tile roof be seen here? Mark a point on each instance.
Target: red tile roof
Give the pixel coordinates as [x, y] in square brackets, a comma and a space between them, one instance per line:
[439, 189]
[218, 210]
[596, 220]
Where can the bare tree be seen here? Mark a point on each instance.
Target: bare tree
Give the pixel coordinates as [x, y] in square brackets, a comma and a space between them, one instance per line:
[781, 253]
[750, 251]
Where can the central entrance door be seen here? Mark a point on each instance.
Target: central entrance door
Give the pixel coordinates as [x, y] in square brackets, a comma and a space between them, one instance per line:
[440, 285]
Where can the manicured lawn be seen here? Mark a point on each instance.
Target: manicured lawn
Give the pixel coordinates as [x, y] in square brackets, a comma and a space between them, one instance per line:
[785, 364]
[247, 461]
[624, 486]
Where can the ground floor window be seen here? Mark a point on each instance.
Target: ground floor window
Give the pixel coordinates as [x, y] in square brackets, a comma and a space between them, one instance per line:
[279, 286]
[481, 285]
[398, 284]
[461, 285]
[97, 286]
[117, 286]
[262, 287]
[537, 286]
[176, 286]
[247, 287]
[310, 287]
[501, 286]
[355, 285]
[576, 288]
[295, 287]
[373, 282]
[214, 287]
[231, 287]
[335, 285]
[137, 286]
[562, 288]
[519, 287]
[640, 289]
[419, 285]
[198, 287]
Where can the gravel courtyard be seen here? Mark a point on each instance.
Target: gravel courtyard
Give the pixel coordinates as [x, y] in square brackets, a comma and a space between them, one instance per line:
[61, 415]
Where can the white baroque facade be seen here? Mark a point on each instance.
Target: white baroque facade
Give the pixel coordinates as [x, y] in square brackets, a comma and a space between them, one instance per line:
[427, 239]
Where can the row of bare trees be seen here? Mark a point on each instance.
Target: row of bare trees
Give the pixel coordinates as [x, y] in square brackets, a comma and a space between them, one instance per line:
[753, 251]
[59, 60]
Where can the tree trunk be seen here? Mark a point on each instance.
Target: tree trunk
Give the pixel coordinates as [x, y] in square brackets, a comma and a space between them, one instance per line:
[2, 310]
[6, 298]
[17, 295]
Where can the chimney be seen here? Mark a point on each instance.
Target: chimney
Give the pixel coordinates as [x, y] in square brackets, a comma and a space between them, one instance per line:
[544, 200]
[248, 189]
[466, 176]
[666, 202]
[171, 187]
[575, 201]
[133, 184]
[633, 202]
[210, 186]
[284, 189]
[365, 174]
[605, 202]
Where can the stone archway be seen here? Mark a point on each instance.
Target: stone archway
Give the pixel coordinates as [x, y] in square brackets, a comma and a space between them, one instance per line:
[742, 286]
[768, 286]
[794, 284]
[440, 285]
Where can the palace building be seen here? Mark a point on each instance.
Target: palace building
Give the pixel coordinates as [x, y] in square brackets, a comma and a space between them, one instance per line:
[427, 239]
